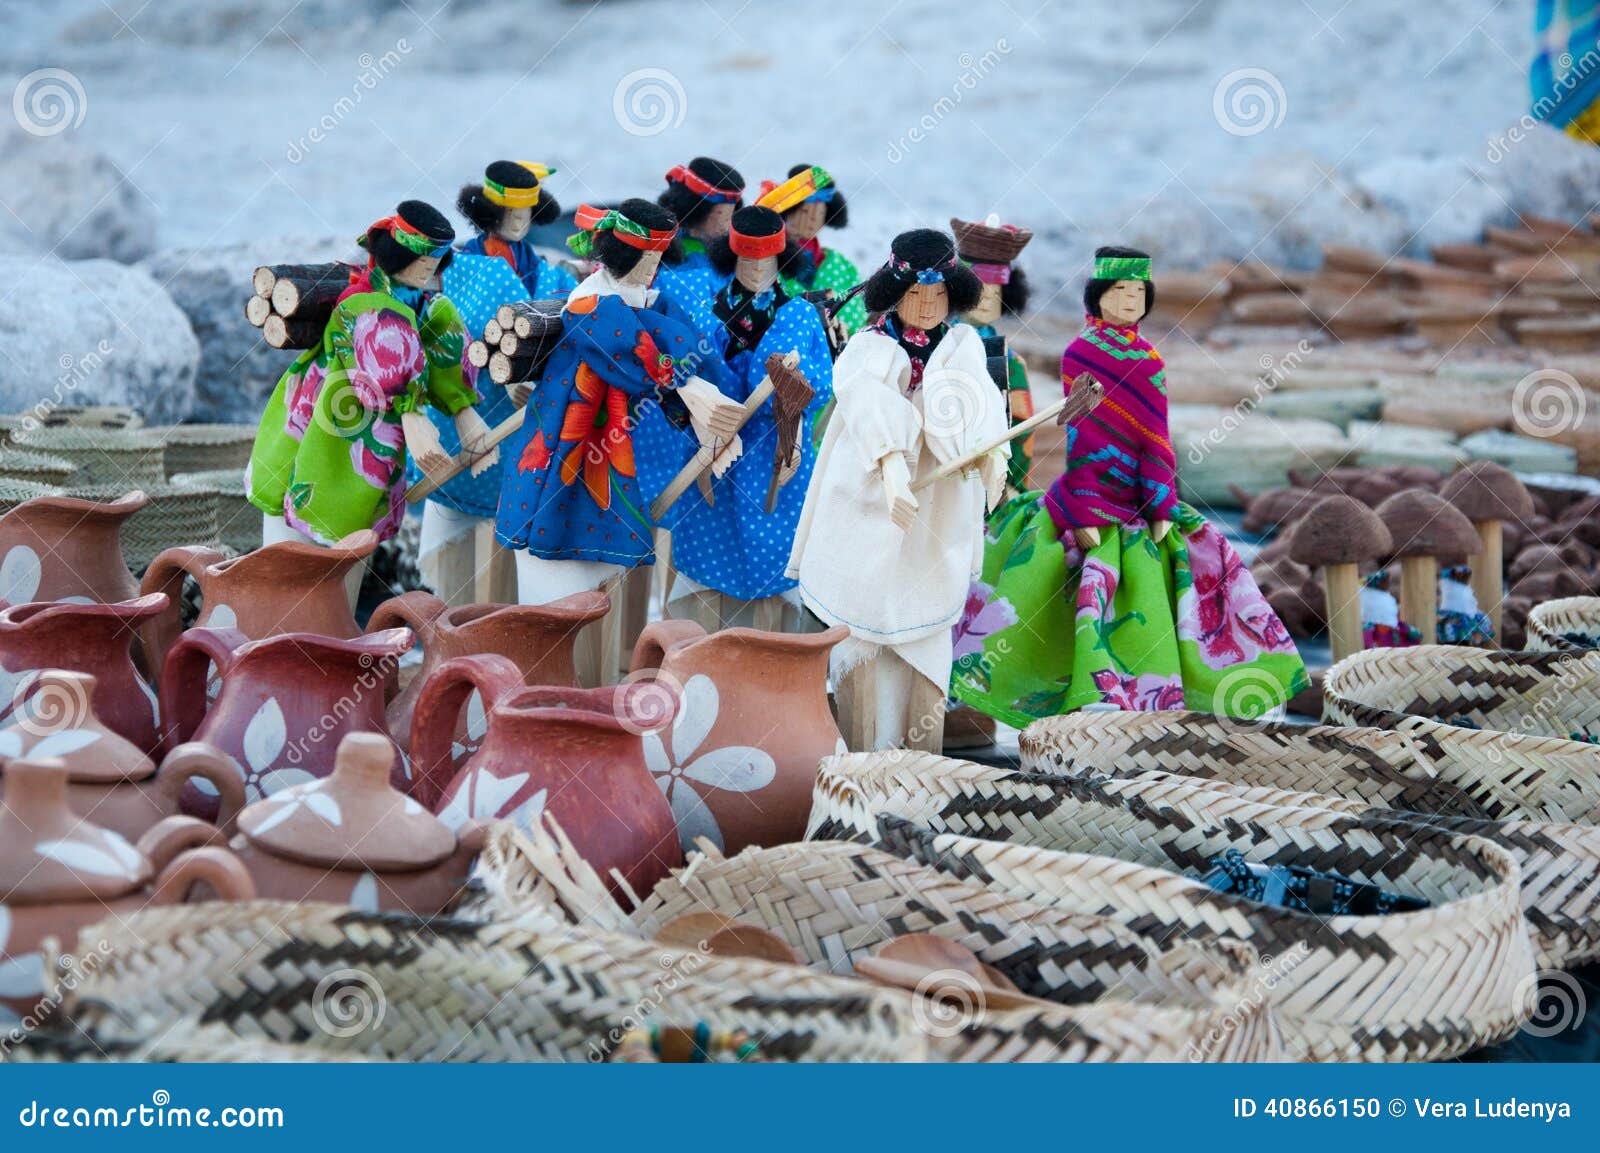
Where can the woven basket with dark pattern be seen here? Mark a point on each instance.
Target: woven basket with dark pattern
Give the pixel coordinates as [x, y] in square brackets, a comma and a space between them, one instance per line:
[1416, 986]
[1545, 811]
[1567, 625]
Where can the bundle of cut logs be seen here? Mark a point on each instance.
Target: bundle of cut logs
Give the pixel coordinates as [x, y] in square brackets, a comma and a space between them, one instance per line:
[517, 340]
[292, 302]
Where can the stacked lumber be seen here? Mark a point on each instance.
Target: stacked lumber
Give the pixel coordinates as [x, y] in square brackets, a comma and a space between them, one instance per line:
[291, 303]
[517, 340]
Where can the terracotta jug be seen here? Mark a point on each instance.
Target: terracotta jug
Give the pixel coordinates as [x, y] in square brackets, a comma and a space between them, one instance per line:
[284, 704]
[88, 638]
[110, 779]
[59, 873]
[752, 723]
[538, 639]
[292, 586]
[572, 753]
[60, 548]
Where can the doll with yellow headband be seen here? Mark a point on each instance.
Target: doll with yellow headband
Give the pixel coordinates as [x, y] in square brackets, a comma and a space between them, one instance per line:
[703, 195]
[509, 202]
[331, 449]
[809, 201]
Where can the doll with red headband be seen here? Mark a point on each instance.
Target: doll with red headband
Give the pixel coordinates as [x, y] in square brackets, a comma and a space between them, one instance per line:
[809, 201]
[703, 194]
[991, 250]
[330, 453]
[738, 545]
[571, 506]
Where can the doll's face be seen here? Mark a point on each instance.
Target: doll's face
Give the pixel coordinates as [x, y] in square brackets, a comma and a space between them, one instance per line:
[418, 273]
[515, 223]
[924, 305]
[645, 271]
[1123, 302]
[987, 310]
[805, 221]
[715, 223]
[756, 274]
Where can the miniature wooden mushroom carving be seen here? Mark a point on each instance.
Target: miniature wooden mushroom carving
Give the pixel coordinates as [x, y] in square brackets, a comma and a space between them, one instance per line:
[1424, 527]
[1337, 536]
[1488, 495]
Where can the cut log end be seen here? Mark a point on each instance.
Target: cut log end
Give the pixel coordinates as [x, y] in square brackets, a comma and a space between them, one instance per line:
[288, 332]
[257, 309]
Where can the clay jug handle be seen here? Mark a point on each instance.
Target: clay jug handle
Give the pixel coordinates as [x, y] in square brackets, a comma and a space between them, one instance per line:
[164, 840]
[199, 759]
[433, 723]
[165, 575]
[219, 868]
[659, 638]
[183, 679]
[416, 610]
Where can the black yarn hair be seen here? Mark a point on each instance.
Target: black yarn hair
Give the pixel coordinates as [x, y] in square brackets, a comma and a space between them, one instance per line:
[486, 215]
[1095, 288]
[689, 206]
[392, 256]
[752, 221]
[1014, 293]
[923, 248]
[619, 258]
[838, 213]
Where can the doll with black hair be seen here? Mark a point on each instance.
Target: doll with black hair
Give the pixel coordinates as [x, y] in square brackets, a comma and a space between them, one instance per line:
[734, 546]
[1107, 590]
[571, 506]
[703, 196]
[503, 209]
[330, 453]
[912, 392]
[991, 250]
[809, 201]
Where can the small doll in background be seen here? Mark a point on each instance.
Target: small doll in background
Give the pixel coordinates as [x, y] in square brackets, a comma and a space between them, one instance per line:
[991, 249]
[809, 201]
[1381, 626]
[503, 209]
[1460, 620]
[702, 196]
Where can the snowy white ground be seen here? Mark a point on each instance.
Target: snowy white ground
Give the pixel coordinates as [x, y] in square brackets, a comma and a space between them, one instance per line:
[1090, 122]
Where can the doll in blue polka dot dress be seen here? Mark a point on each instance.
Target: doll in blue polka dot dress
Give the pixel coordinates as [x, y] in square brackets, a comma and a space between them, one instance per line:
[703, 194]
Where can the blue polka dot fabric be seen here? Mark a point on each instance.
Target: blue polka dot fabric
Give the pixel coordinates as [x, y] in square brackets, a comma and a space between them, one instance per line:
[691, 284]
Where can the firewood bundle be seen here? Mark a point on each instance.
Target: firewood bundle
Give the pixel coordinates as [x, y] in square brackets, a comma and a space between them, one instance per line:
[292, 302]
[517, 340]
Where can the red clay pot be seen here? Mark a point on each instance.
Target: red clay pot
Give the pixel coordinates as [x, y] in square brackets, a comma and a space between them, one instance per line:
[60, 548]
[572, 753]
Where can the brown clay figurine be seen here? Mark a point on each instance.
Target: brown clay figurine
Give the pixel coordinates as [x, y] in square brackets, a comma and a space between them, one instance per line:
[1423, 528]
[1488, 495]
[1339, 535]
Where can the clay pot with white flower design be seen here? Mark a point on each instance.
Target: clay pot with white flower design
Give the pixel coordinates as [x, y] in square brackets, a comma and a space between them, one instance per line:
[110, 780]
[538, 639]
[59, 873]
[96, 639]
[751, 725]
[576, 754]
[61, 548]
[290, 586]
[352, 838]
[284, 705]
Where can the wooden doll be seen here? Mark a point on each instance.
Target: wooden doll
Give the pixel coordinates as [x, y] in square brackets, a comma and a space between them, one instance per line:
[991, 248]
[1381, 626]
[330, 453]
[1461, 621]
[737, 546]
[456, 550]
[570, 501]
[911, 392]
[703, 196]
[809, 201]
[1107, 590]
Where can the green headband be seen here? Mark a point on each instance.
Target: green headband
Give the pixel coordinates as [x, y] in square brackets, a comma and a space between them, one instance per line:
[1122, 268]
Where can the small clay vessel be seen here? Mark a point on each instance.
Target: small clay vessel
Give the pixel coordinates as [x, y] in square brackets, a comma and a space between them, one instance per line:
[572, 753]
[353, 839]
[59, 873]
[751, 725]
[109, 778]
[61, 548]
[88, 638]
[725, 937]
[943, 969]
[284, 704]
[291, 586]
[538, 639]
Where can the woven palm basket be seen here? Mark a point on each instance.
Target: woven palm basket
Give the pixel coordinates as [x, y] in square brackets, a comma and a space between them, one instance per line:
[114, 458]
[103, 416]
[205, 447]
[1417, 986]
[19, 464]
[1543, 811]
[14, 492]
[1120, 995]
[1568, 625]
[176, 515]
[393, 986]
[238, 521]
[1539, 693]
[185, 1042]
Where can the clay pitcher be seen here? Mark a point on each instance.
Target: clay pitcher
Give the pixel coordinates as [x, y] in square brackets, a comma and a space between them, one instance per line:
[61, 548]
[88, 638]
[751, 725]
[572, 753]
[284, 704]
[538, 639]
[292, 586]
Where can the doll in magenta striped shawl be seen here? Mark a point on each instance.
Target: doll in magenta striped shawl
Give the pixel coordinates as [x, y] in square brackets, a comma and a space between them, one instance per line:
[1108, 590]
